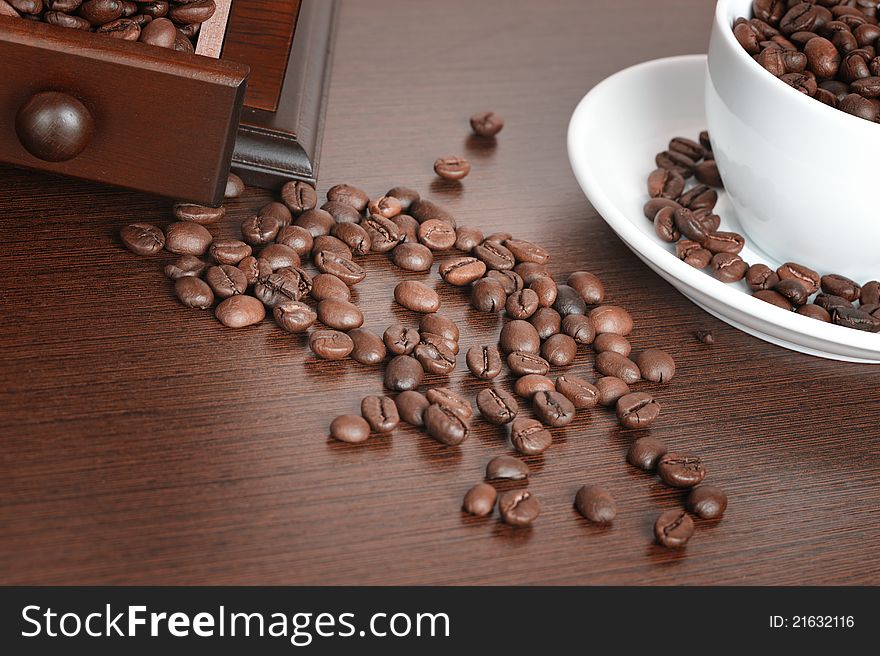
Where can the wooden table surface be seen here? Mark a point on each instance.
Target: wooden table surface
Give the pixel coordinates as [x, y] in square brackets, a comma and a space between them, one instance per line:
[144, 443]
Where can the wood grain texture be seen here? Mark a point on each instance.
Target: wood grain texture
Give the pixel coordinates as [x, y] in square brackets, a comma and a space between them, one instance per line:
[144, 443]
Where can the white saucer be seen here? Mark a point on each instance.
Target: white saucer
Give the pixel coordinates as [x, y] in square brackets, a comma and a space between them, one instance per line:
[614, 133]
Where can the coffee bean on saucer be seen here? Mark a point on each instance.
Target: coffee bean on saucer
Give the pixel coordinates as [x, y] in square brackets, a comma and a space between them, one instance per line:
[436, 234]
[674, 161]
[344, 193]
[870, 293]
[792, 290]
[487, 295]
[299, 196]
[700, 197]
[794, 271]
[682, 471]
[411, 407]
[689, 225]
[466, 238]
[579, 327]
[705, 142]
[400, 339]
[198, 213]
[760, 276]
[552, 408]
[663, 183]
[664, 226]
[386, 207]
[506, 468]
[529, 436]
[645, 452]
[707, 173]
[449, 399]
[226, 280]
[497, 406]
[581, 393]
[240, 311]
[530, 384]
[380, 413]
[610, 389]
[547, 322]
[479, 500]
[294, 316]
[655, 365]
[830, 302]
[405, 195]
[462, 271]
[518, 507]
[773, 298]
[814, 312]
[484, 362]
[347, 271]
[444, 425]
[142, 238]
[416, 296]
[687, 147]
[840, 286]
[341, 315]
[724, 242]
[350, 428]
[709, 221]
[559, 350]
[194, 292]
[707, 501]
[674, 528]
[857, 319]
[452, 167]
[596, 504]
[486, 124]
[693, 254]
[654, 205]
[612, 342]
[185, 265]
[637, 410]
[403, 373]
[519, 335]
[234, 185]
[330, 344]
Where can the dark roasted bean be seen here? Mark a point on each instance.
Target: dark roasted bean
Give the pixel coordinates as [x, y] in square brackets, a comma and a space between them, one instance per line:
[580, 328]
[518, 507]
[596, 504]
[143, 238]
[444, 425]
[581, 393]
[484, 361]
[380, 412]
[449, 399]
[507, 468]
[487, 295]
[518, 335]
[663, 183]
[569, 301]
[707, 501]
[294, 316]
[194, 292]
[530, 384]
[553, 408]
[350, 428]
[226, 280]
[655, 365]
[673, 528]
[368, 346]
[185, 265]
[637, 410]
[411, 407]
[479, 500]
[299, 196]
[239, 311]
[462, 271]
[437, 234]
[522, 363]
[330, 344]
[612, 342]
[529, 436]
[497, 406]
[683, 471]
[645, 452]
[411, 256]
[547, 322]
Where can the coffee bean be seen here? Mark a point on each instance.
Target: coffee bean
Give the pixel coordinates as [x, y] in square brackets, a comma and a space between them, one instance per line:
[438, 324]
[728, 267]
[260, 229]
[637, 410]
[707, 501]
[401, 340]
[297, 238]
[829, 302]
[522, 363]
[341, 315]
[412, 257]
[411, 407]
[581, 393]
[823, 59]
[239, 311]
[683, 471]
[611, 319]
[353, 236]
[436, 234]
[546, 290]
[700, 197]
[403, 373]
[380, 413]
[529, 272]
[530, 384]
[435, 358]
[760, 276]
[748, 37]
[522, 304]
[519, 335]
[186, 238]
[349, 195]
[452, 167]
[299, 196]
[330, 344]
[350, 428]
[857, 319]
[316, 222]
[294, 316]
[341, 212]
[444, 425]
[484, 362]
[580, 328]
[479, 500]
[596, 504]
[254, 269]
[229, 251]
[681, 164]
[416, 296]
[161, 32]
[518, 507]
[452, 401]
[143, 238]
[386, 207]
[645, 452]
[467, 238]
[611, 342]
[368, 346]
[344, 269]
[198, 213]
[663, 183]
[487, 295]
[64, 20]
[706, 337]
[194, 292]
[611, 389]
[689, 225]
[840, 286]
[288, 284]
[194, 12]
[792, 290]
[426, 210]
[569, 301]
[462, 270]
[673, 528]
[407, 228]
[497, 406]
[547, 322]
[724, 242]
[526, 251]
[553, 408]
[870, 293]
[486, 124]
[656, 204]
[664, 226]
[529, 436]
[773, 298]
[226, 280]
[405, 196]
[693, 254]
[793, 271]
[325, 286]
[769, 11]
[687, 147]
[185, 265]
[510, 281]
[858, 106]
[279, 256]
[559, 350]
[814, 312]
[655, 365]
[494, 255]
[506, 468]
[707, 174]
[331, 243]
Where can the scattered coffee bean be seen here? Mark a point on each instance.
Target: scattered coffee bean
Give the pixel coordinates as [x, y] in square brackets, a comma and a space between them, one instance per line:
[404, 195]
[294, 316]
[403, 373]
[773, 298]
[518, 507]
[226, 280]
[596, 504]
[349, 195]
[487, 295]
[829, 302]
[552, 408]
[792, 271]
[655, 365]
[707, 501]
[611, 389]
[386, 207]
[580, 328]
[411, 407]
[610, 363]
[530, 384]
[344, 269]
[637, 410]
[870, 293]
[522, 363]
[194, 292]
[526, 251]
[435, 358]
[316, 222]
[452, 168]
[856, 319]
[547, 322]
[186, 238]
[497, 406]
[341, 315]
[467, 238]
[673, 528]
[645, 453]
[444, 425]
[279, 256]
[185, 265]
[438, 324]
[519, 335]
[663, 183]
[198, 213]
[299, 196]
[707, 174]
[840, 286]
[581, 393]
[611, 319]
[654, 205]
[412, 257]
[254, 269]
[380, 413]
[452, 401]
[288, 284]
[341, 212]
[569, 301]
[559, 350]
[706, 336]
[792, 290]
[229, 251]
[330, 344]
[693, 254]
[350, 428]
[416, 296]
[401, 340]
[240, 311]
[728, 267]
[760, 276]
[479, 500]
[486, 124]
[484, 362]
[234, 184]
[506, 468]
[326, 285]
[353, 236]
[425, 210]
[437, 234]
[664, 226]
[522, 304]
[298, 238]
[143, 238]
[462, 270]
[612, 342]
[494, 255]
[368, 346]
[531, 271]
[682, 471]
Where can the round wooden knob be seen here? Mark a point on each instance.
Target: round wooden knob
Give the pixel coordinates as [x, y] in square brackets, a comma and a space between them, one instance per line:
[54, 126]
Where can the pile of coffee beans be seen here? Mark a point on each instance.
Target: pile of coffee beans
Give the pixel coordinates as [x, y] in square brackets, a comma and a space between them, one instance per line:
[298, 262]
[167, 24]
[683, 214]
[826, 49]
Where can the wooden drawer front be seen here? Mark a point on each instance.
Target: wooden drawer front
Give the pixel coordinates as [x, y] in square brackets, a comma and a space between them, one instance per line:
[163, 122]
